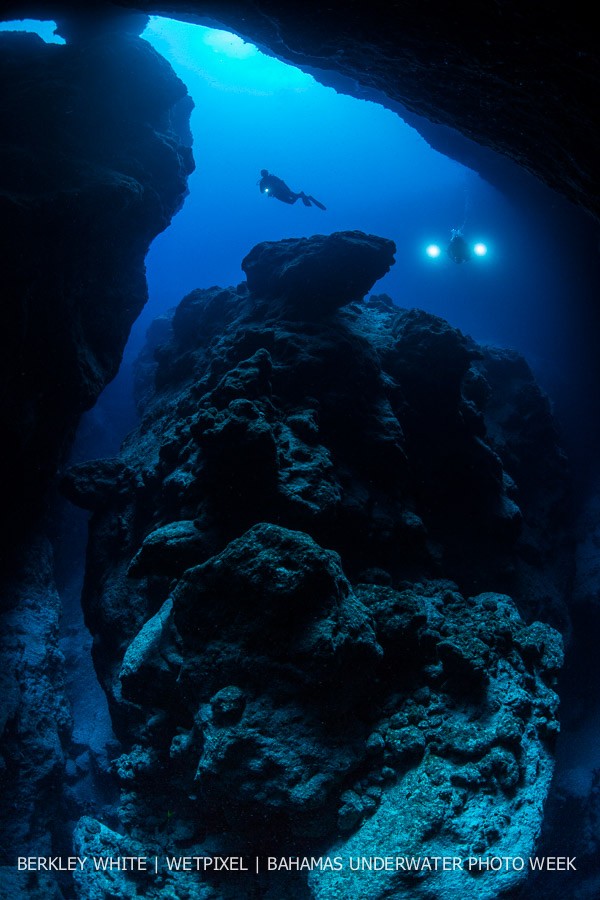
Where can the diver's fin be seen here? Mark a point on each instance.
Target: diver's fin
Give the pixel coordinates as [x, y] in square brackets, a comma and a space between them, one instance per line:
[316, 202]
[306, 200]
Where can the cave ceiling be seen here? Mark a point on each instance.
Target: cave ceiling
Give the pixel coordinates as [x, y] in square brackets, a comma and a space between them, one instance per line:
[517, 78]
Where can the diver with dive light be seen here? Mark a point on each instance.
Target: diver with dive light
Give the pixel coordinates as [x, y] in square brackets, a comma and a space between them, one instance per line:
[276, 187]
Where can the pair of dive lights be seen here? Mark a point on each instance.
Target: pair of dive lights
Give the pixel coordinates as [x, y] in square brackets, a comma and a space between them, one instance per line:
[434, 250]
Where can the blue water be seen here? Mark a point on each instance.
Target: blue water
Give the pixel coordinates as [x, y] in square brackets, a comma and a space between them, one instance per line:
[532, 290]
[372, 171]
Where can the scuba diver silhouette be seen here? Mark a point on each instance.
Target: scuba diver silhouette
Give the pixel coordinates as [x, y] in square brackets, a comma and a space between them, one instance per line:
[275, 187]
[457, 249]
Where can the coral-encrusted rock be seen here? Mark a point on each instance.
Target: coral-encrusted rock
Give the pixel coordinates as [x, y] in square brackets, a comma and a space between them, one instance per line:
[94, 841]
[278, 585]
[270, 587]
[475, 784]
[319, 274]
[243, 637]
[300, 603]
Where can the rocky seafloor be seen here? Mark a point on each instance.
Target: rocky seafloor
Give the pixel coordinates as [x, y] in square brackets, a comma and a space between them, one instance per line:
[326, 582]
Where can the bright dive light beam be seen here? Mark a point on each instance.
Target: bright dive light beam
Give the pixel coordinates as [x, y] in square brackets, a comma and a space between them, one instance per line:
[433, 251]
[480, 249]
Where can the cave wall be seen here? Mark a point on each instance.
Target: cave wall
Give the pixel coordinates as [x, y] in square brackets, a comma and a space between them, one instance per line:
[35, 718]
[93, 165]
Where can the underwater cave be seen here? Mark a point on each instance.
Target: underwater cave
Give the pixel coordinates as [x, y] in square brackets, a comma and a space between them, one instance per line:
[300, 573]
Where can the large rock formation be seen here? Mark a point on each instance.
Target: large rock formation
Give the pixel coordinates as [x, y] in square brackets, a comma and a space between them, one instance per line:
[93, 164]
[317, 275]
[298, 581]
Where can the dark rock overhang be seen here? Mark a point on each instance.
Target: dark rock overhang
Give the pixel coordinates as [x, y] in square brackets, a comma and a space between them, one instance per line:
[519, 79]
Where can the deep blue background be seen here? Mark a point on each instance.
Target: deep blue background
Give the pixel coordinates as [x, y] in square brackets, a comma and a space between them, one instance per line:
[372, 171]
[535, 291]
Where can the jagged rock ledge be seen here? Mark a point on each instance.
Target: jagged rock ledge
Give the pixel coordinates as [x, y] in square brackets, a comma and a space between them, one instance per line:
[317, 275]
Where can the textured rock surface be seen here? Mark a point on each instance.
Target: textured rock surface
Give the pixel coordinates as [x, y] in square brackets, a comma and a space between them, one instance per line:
[93, 165]
[35, 721]
[474, 771]
[318, 274]
[297, 586]
[91, 839]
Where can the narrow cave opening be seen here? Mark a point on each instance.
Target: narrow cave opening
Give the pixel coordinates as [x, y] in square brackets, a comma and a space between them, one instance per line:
[533, 291]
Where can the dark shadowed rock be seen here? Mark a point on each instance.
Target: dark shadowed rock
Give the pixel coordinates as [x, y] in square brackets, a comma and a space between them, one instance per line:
[317, 275]
[35, 718]
[277, 585]
[300, 603]
[98, 483]
[93, 165]
[170, 550]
